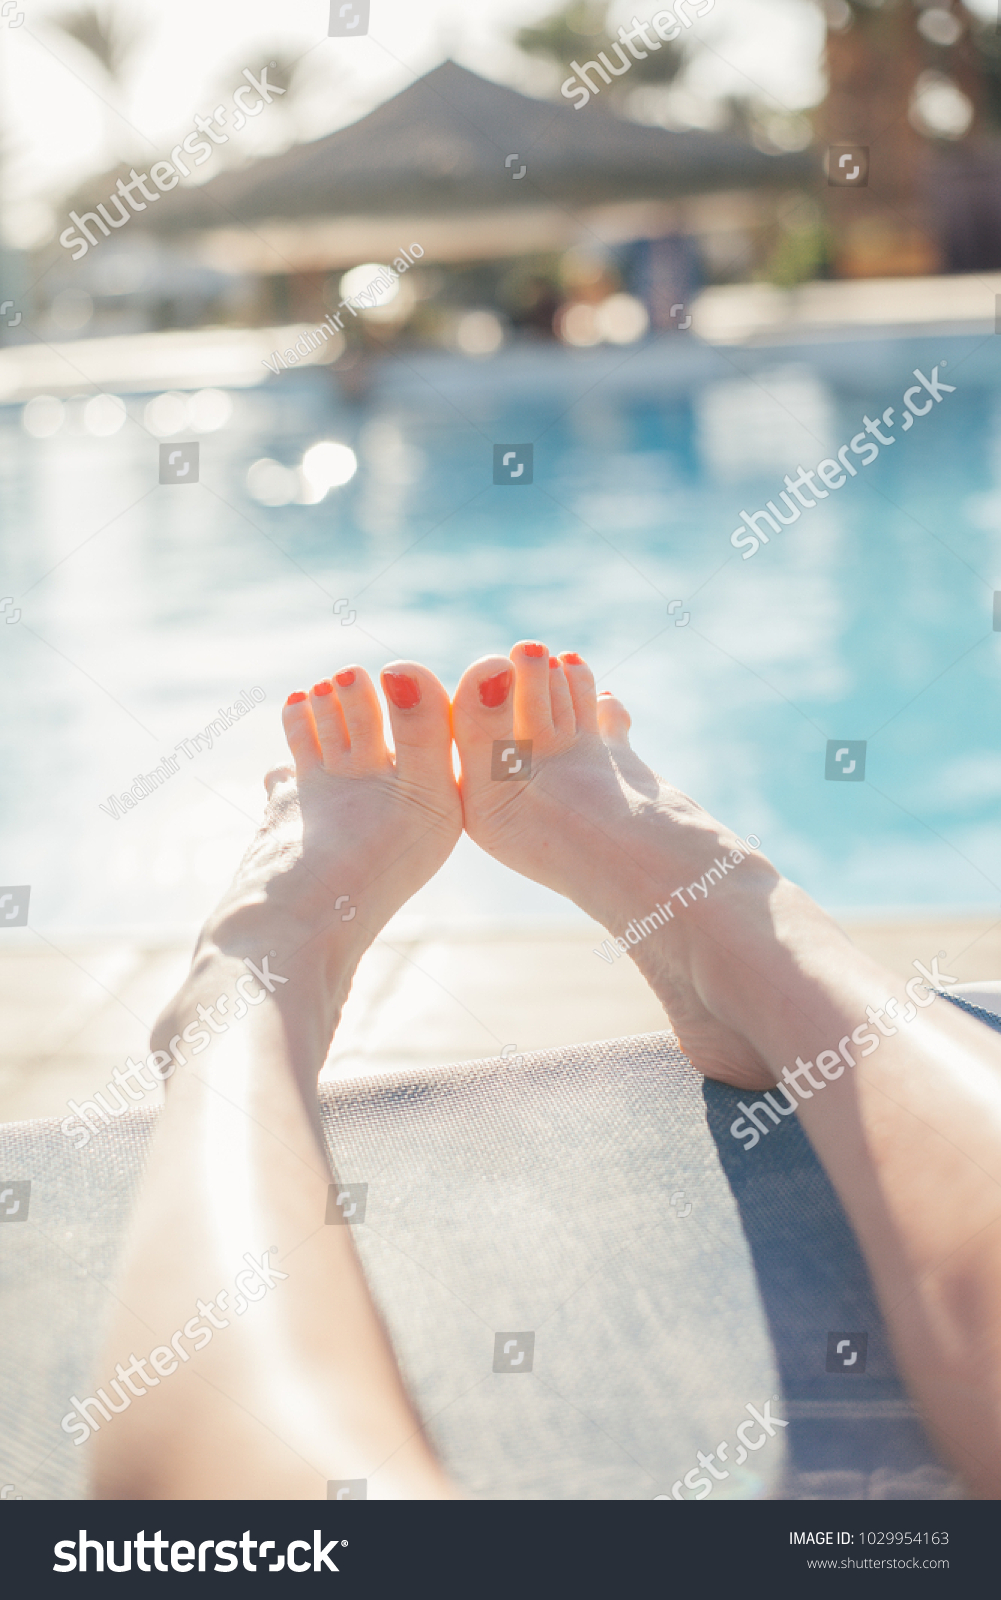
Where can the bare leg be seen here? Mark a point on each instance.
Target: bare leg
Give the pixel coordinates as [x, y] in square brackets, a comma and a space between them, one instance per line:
[755, 977]
[287, 1379]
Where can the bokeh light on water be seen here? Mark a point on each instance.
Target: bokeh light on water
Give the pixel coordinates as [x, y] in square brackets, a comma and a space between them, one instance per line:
[146, 608]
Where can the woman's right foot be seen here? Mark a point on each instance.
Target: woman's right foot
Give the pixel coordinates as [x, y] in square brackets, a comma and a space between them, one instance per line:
[348, 836]
[596, 824]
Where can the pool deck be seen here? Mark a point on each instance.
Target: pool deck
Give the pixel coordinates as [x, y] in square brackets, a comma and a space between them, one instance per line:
[423, 995]
[727, 314]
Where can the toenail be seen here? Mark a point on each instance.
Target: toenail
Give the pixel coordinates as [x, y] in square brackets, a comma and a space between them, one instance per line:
[323, 688]
[404, 691]
[553, 661]
[493, 691]
[294, 699]
[572, 659]
[535, 650]
[603, 691]
[346, 679]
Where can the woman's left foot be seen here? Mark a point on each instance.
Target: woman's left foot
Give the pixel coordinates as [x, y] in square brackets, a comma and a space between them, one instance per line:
[551, 787]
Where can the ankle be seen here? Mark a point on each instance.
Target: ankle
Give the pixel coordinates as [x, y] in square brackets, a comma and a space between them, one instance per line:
[249, 974]
[749, 962]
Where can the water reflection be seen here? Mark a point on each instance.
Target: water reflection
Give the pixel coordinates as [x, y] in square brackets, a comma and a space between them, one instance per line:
[146, 607]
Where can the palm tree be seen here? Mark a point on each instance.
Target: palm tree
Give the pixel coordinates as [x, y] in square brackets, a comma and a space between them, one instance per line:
[578, 31]
[307, 77]
[921, 88]
[111, 35]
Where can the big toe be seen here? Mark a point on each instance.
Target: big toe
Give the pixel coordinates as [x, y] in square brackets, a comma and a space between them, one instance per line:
[419, 717]
[614, 720]
[483, 714]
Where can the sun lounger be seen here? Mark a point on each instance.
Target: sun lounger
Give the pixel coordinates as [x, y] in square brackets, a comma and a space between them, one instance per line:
[676, 1284]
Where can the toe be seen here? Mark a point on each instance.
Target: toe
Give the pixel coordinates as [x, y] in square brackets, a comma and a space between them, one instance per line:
[483, 712]
[419, 717]
[280, 774]
[580, 680]
[614, 720]
[331, 729]
[564, 720]
[300, 731]
[362, 717]
[533, 712]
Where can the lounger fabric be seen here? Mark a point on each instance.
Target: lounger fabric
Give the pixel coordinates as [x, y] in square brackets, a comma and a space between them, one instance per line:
[990, 1017]
[593, 1197]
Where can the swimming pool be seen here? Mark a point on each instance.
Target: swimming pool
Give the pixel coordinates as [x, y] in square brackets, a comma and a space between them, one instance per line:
[145, 607]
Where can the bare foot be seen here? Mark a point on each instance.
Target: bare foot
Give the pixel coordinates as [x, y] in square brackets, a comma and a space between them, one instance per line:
[352, 833]
[596, 824]
[309, 1390]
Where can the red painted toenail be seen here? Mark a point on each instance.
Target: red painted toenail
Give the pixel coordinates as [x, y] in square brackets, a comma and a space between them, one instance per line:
[553, 661]
[535, 650]
[346, 679]
[294, 699]
[404, 691]
[493, 691]
[603, 691]
[572, 659]
[323, 688]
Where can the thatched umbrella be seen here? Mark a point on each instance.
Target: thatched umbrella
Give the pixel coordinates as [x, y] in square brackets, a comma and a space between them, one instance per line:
[442, 146]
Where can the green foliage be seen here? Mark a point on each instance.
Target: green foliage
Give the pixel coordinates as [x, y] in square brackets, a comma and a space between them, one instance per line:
[981, 37]
[579, 30]
[986, 41]
[560, 35]
[800, 255]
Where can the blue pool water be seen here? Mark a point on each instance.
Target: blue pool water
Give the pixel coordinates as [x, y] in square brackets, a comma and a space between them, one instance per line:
[871, 618]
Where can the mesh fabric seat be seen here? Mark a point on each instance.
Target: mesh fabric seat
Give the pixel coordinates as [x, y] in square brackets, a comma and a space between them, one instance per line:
[591, 1196]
